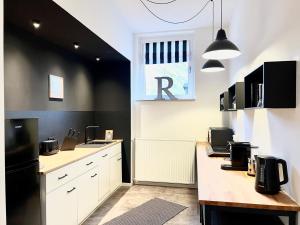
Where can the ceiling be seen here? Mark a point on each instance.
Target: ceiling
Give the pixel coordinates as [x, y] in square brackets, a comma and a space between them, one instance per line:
[57, 27]
[140, 20]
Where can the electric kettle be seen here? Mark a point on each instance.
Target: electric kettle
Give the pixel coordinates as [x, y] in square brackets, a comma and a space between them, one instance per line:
[268, 176]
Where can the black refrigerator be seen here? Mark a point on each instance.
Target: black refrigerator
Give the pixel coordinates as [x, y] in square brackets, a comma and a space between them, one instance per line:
[23, 205]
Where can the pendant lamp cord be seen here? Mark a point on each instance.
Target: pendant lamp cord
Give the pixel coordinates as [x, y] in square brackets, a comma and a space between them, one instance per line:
[221, 14]
[213, 20]
[169, 21]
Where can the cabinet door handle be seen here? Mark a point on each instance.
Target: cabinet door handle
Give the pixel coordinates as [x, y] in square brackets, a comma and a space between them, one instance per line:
[104, 155]
[94, 175]
[64, 176]
[119, 159]
[73, 189]
[90, 163]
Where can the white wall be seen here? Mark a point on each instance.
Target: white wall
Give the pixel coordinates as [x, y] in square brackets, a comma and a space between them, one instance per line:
[182, 119]
[265, 31]
[104, 20]
[2, 168]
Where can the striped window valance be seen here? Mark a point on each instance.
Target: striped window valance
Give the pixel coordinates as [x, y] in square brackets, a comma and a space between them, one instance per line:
[167, 52]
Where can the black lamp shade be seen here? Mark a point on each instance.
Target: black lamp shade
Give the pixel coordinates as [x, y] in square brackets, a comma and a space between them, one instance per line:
[221, 48]
[213, 66]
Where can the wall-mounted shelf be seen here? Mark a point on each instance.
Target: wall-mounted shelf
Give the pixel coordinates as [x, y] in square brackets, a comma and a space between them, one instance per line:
[236, 97]
[272, 85]
[224, 101]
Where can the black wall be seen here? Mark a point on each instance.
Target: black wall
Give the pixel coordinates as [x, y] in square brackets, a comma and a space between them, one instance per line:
[112, 106]
[56, 123]
[94, 93]
[28, 61]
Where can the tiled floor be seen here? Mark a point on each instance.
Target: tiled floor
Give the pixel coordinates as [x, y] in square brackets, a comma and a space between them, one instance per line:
[127, 198]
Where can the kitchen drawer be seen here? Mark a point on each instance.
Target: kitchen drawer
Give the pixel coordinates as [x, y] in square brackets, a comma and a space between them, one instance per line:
[102, 155]
[86, 164]
[60, 176]
[115, 149]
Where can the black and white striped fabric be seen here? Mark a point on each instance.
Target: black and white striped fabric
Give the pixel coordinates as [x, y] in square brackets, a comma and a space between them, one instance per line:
[167, 52]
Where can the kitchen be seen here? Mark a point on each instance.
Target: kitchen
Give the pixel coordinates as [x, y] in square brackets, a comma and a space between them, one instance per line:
[95, 50]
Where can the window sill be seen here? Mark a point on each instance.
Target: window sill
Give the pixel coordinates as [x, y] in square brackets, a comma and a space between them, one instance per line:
[166, 100]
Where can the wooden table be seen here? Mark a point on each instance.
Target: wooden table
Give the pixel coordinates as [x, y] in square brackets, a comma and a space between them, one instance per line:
[235, 191]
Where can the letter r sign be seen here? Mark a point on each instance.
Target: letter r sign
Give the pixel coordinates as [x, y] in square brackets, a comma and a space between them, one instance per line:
[161, 89]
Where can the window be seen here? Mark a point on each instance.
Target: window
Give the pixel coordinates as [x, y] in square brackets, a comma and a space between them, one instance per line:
[166, 62]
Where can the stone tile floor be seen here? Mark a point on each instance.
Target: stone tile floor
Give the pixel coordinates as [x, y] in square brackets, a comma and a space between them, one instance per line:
[127, 198]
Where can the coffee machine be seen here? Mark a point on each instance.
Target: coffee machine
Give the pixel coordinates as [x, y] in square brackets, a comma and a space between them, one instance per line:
[239, 154]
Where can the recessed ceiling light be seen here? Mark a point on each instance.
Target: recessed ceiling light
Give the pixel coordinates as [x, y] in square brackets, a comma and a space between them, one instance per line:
[76, 45]
[36, 24]
[97, 59]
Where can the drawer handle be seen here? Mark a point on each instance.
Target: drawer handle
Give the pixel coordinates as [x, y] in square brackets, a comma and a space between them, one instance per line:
[94, 175]
[73, 189]
[90, 163]
[119, 159]
[64, 176]
[105, 155]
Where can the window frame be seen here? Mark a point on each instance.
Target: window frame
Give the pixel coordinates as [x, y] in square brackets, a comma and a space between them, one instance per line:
[158, 37]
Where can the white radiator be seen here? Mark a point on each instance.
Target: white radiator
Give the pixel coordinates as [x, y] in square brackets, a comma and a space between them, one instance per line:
[166, 161]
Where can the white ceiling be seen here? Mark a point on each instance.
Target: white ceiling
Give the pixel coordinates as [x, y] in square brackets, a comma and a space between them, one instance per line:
[140, 20]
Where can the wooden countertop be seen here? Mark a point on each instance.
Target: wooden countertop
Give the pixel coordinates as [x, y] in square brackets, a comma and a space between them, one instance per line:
[63, 158]
[233, 188]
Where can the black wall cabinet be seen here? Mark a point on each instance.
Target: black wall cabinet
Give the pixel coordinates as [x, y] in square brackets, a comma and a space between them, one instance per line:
[272, 85]
[236, 96]
[224, 101]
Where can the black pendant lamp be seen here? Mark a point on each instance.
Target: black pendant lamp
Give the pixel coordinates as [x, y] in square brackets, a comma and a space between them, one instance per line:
[213, 65]
[221, 48]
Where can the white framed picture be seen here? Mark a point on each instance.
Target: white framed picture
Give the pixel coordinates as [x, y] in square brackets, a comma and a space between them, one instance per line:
[56, 87]
[109, 135]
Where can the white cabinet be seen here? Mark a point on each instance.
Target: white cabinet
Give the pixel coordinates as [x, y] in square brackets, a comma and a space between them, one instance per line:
[61, 205]
[104, 187]
[72, 192]
[115, 171]
[87, 193]
[59, 177]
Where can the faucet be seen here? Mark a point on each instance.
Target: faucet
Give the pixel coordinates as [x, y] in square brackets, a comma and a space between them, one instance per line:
[86, 138]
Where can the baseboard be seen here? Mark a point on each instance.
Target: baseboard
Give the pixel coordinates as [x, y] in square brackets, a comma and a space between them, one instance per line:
[127, 184]
[148, 183]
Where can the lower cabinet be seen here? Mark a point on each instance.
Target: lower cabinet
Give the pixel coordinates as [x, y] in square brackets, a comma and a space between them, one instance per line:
[71, 202]
[115, 171]
[61, 205]
[87, 193]
[104, 170]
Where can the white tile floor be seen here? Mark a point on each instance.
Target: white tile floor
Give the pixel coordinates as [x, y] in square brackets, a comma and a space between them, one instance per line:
[127, 198]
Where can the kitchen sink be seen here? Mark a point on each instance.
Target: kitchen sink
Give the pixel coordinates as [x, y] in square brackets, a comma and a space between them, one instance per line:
[94, 144]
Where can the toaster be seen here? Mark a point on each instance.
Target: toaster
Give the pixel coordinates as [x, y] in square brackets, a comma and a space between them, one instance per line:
[49, 147]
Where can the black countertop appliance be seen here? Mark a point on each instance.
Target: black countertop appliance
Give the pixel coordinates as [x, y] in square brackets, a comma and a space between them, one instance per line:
[49, 147]
[23, 205]
[218, 138]
[267, 174]
[239, 154]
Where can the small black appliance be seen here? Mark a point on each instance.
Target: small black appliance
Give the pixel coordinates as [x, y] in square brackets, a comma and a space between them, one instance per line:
[218, 138]
[239, 154]
[49, 147]
[267, 174]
